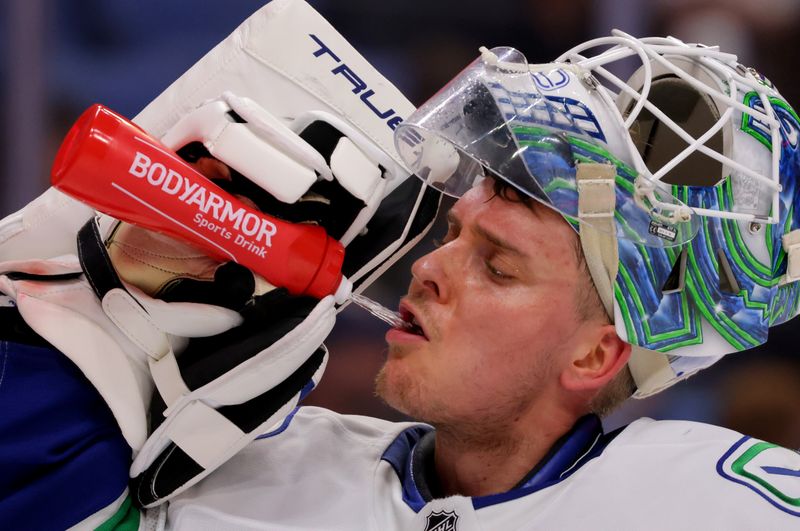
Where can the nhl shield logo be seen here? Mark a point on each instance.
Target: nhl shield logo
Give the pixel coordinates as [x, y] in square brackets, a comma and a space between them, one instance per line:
[442, 521]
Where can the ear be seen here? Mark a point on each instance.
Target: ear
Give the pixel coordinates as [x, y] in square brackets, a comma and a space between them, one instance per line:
[597, 364]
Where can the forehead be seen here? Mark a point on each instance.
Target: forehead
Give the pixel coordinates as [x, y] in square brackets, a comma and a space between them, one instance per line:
[534, 228]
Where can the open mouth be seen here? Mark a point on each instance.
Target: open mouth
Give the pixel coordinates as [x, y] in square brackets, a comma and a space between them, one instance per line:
[411, 326]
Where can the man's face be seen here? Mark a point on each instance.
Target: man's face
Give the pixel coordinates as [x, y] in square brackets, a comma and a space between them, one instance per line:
[497, 305]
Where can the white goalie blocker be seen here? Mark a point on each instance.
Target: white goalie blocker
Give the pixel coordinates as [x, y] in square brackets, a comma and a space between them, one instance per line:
[282, 69]
[246, 101]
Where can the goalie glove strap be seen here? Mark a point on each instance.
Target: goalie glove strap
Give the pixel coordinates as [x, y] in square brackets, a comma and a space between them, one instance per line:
[95, 261]
[128, 314]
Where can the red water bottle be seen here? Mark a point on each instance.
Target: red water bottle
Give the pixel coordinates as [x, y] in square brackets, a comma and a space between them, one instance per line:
[109, 163]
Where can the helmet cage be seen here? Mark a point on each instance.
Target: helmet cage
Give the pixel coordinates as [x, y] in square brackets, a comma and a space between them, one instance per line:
[714, 75]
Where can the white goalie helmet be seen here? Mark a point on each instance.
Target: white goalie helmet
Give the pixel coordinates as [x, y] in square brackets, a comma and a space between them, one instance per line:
[681, 182]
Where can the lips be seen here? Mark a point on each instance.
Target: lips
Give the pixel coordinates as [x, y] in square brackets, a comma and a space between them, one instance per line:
[413, 325]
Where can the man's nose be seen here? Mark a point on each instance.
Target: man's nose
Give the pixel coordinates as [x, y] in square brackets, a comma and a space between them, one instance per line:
[431, 273]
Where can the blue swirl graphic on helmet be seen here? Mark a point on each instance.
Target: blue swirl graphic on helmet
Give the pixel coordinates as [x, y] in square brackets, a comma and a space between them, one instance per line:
[742, 318]
[740, 313]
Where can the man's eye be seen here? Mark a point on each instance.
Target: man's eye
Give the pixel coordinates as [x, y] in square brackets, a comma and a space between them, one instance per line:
[497, 272]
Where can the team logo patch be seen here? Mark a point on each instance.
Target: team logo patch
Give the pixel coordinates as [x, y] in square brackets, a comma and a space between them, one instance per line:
[768, 469]
[550, 80]
[442, 521]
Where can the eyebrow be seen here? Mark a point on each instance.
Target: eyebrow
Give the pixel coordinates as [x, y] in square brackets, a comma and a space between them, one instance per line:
[492, 238]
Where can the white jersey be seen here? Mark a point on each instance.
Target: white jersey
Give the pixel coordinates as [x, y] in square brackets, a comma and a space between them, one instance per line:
[331, 471]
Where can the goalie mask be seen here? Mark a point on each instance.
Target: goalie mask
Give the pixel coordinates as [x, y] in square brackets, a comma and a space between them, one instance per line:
[680, 182]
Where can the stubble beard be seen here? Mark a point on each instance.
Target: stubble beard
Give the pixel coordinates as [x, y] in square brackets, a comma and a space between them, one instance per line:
[484, 426]
[397, 393]
[407, 394]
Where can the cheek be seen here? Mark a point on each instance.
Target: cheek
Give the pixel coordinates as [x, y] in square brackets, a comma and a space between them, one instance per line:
[513, 319]
[494, 339]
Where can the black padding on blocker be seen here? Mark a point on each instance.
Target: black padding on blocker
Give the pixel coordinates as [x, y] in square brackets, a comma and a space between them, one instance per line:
[266, 319]
[193, 151]
[174, 468]
[389, 221]
[232, 287]
[339, 210]
[251, 414]
[342, 207]
[323, 136]
[269, 318]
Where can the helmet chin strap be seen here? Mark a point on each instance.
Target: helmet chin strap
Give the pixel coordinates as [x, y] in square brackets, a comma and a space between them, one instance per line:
[596, 202]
